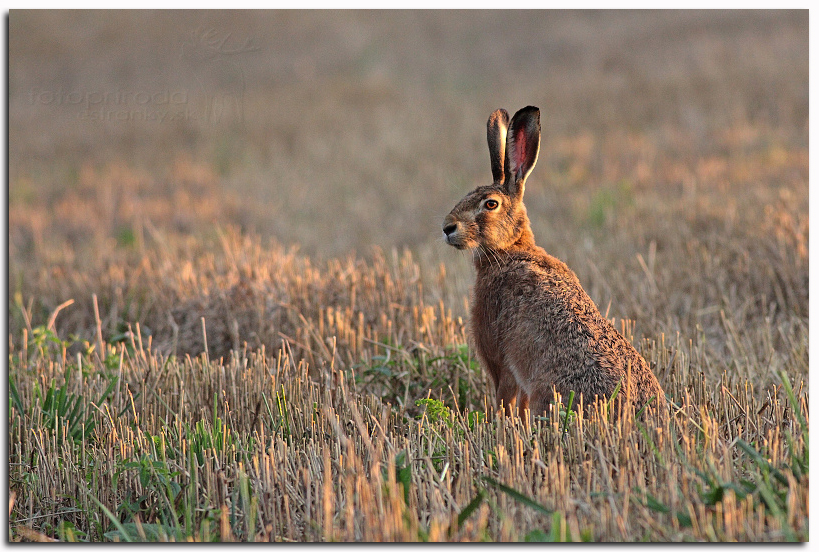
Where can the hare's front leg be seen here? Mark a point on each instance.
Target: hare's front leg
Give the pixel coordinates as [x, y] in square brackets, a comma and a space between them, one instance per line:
[506, 392]
[541, 398]
[523, 403]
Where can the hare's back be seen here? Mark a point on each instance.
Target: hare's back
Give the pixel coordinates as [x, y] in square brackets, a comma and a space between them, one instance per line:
[543, 285]
[536, 307]
[574, 335]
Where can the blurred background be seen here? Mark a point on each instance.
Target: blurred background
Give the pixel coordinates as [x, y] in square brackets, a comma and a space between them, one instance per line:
[341, 129]
[673, 173]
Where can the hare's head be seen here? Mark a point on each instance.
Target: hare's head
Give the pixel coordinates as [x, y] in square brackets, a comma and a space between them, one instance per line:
[493, 217]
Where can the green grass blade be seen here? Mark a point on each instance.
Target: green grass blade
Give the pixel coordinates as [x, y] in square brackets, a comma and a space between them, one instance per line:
[803, 424]
[125, 536]
[48, 402]
[15, 397]
[517, 495]
[62, 400]
[108, 390]
[643, 409]
[568, 413]
[614, 396]
[616, 391]
[470, 508]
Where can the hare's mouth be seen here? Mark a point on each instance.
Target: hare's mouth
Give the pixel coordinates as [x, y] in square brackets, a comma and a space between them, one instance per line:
[454, 241]
[458, 241]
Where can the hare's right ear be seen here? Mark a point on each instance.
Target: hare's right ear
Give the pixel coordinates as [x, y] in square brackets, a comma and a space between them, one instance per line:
[496, 136]
[522, 148]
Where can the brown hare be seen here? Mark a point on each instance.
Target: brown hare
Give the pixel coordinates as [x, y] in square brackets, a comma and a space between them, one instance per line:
[535, 329]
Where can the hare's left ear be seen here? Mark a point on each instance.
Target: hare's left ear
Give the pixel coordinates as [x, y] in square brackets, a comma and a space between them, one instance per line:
[496, 137]
[522, 148]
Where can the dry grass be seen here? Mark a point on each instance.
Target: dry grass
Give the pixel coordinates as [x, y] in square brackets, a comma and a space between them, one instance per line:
[254, 447]
[260, 302]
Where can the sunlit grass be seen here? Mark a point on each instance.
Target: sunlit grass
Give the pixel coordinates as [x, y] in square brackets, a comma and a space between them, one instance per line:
[379, 415]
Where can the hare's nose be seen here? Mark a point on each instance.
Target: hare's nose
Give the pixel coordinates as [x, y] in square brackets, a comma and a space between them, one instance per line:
[450, 228]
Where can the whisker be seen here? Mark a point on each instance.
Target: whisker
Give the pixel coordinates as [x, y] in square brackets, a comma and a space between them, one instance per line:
[486, 254]
[493, 255]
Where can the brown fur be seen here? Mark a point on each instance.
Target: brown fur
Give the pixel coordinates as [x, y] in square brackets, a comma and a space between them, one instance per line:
[536, 330]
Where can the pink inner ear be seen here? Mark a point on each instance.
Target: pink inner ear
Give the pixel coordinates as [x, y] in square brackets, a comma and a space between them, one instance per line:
[520, 147]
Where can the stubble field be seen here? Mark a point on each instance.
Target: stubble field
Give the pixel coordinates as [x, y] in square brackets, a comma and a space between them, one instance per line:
[231, 315]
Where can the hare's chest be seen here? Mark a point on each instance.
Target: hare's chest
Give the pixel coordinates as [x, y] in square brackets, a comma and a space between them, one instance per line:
[500, 302]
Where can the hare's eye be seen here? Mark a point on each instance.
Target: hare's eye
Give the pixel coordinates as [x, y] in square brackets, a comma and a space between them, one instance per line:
[491, 204]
